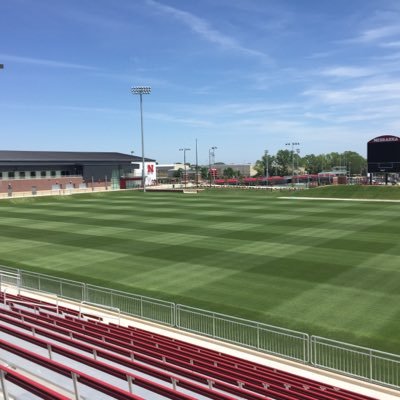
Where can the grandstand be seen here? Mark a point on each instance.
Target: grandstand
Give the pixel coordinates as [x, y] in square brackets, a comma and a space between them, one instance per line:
[55, 348]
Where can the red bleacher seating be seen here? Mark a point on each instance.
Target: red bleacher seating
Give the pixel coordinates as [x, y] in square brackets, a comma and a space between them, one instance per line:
[206, 372]
[30, 385]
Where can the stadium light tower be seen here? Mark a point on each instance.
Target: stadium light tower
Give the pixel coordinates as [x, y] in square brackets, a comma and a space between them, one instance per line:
[211, 153]
[292, 151]
[184, 163]
[141, 90]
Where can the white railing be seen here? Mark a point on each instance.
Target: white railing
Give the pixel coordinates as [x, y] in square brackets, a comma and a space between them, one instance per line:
[9, 278]
[361, 362]
[114, 310]
[131, 304]
[259, 336]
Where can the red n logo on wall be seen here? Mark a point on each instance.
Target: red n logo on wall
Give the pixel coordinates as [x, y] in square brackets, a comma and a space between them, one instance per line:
[150, 168]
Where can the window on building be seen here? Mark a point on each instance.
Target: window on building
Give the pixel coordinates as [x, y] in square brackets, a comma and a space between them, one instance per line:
[11, 174]
[22, 174]
[1, 175]
[43, 174]
[33, 174]
[53, 173]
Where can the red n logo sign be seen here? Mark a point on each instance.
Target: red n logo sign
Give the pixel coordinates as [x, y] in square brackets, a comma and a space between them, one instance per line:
[150, 168]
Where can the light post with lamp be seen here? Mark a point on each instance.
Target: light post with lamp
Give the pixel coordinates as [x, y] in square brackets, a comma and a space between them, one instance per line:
[141, 90]
[266, 167]
[184, 149]
[211, 153]
[292, 151]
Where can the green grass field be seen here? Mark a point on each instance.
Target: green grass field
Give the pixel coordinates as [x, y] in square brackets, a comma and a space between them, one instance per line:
[324, 267]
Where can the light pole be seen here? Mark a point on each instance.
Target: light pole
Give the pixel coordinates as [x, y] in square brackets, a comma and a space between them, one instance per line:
[266, 166]
[184, 163]
[197, 167]
[292, 151]
[211, 153]
[141, 90]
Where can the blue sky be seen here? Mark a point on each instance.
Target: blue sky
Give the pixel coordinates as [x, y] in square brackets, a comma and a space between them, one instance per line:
[242, 75]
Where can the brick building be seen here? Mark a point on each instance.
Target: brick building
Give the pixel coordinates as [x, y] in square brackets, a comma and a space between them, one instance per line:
[45, 170]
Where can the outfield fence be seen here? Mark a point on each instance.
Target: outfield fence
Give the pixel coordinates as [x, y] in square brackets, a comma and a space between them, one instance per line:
[360, 362]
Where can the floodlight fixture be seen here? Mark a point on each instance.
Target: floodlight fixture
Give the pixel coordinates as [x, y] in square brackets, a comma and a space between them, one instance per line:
[141, 90]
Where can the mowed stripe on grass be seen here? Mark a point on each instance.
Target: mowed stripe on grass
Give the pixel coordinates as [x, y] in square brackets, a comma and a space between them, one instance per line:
[327, 268]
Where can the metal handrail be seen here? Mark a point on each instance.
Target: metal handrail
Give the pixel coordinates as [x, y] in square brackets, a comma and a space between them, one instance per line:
[310, 343]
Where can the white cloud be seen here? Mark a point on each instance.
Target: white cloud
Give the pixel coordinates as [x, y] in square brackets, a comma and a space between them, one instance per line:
[369, 92]
[390, 57]
[322, 54]
[376, 34]
[45, 62]
[206, 31]
[191, 121]
[391, 44]
[55, 107]
[348, 72]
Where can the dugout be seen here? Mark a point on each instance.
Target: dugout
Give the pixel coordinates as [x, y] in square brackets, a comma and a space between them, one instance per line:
[383, 156]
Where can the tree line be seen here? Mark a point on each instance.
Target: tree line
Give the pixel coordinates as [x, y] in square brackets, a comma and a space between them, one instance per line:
[286, 162]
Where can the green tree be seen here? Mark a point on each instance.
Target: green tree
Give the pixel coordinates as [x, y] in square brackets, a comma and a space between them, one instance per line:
[204, 172]
[228, 172]
[284, 162]
[312, 163]
[355, 163]
[261, 165]
[177, 173]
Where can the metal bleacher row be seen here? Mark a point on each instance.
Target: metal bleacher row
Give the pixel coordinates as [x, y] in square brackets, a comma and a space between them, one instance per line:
[131, 363]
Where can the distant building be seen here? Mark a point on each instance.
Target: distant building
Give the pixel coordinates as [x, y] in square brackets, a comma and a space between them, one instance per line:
[239, 169]
[170, 170]
[335, 171]
[23, 169]
[165, 170]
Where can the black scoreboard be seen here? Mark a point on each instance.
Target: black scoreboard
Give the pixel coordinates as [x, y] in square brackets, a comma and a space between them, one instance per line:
[383, 154]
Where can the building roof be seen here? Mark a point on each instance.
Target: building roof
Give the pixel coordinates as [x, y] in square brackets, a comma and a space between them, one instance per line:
[15, 156]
